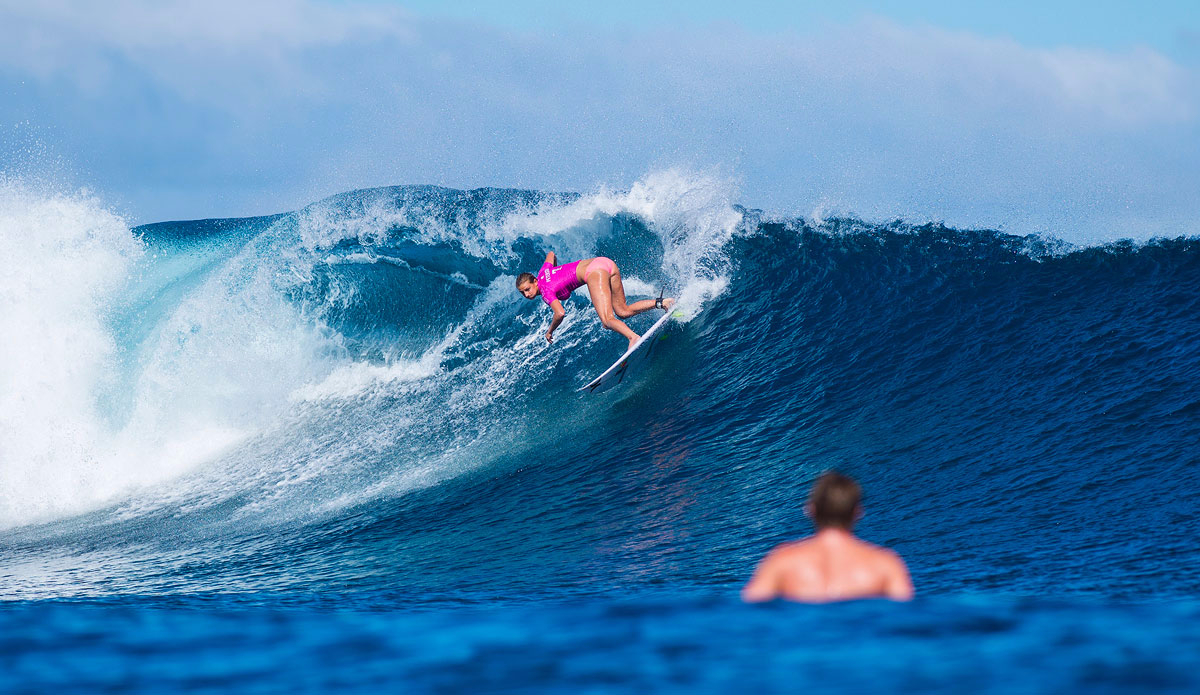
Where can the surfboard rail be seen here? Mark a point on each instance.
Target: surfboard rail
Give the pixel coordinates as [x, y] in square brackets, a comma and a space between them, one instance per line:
[640, 350]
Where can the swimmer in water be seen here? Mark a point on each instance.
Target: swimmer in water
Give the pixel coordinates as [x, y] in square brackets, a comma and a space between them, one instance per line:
[556, 282]
[831, 565]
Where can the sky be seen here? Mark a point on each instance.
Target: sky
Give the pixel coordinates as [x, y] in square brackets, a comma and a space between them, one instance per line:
[1107, 24]
[1079, 120]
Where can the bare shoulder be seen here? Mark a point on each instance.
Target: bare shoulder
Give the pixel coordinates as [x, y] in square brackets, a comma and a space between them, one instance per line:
[881, 549]
[892, 562]
[882, 554]
[899, 583]
[791, 549]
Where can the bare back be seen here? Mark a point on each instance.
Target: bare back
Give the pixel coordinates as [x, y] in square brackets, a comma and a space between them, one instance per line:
[833, 565]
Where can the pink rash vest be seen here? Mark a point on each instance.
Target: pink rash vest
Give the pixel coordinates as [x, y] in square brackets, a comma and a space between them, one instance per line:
[558, 281]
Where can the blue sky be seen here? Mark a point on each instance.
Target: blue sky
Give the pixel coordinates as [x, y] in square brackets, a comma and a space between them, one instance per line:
[1167, 25]
[1081, 121]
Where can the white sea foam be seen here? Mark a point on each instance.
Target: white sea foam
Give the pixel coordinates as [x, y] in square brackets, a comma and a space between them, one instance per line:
[86, 415]
[692, 214]
[65, 258]
[230, 387]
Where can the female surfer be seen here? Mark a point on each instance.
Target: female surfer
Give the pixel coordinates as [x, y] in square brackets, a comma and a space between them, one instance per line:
[556, 282]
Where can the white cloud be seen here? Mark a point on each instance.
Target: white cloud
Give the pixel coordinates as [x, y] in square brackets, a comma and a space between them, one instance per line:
[262, 25]
[182, 42]
[1136, 87]
[269, 104]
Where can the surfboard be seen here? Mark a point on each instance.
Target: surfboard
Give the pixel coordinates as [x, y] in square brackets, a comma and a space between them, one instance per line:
[639, 353]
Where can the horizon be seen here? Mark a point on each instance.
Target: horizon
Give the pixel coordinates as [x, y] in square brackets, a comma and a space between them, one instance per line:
[1087, 131]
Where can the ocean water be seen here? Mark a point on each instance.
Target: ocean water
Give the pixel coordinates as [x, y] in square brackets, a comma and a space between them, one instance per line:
[330, 450]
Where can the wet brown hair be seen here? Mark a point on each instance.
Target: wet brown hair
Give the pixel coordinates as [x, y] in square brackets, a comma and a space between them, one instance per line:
[524, 278]
[834, 501]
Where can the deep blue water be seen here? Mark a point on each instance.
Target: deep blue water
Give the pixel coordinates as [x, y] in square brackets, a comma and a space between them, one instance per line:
[329, 450]
[653, 644]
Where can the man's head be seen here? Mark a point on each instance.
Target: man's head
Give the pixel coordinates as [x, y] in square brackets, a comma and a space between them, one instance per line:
[835, 501]
[527, 285]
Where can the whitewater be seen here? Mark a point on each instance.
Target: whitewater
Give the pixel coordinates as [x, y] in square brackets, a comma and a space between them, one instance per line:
[336, 438]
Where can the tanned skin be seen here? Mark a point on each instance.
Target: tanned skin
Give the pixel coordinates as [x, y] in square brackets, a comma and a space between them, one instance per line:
[832, 565]
[608, 297]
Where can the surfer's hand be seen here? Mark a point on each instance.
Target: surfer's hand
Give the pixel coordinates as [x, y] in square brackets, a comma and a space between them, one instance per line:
[549, 336]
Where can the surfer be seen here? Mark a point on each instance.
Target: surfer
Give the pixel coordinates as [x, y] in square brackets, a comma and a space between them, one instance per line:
[832, 565]
[556, 282]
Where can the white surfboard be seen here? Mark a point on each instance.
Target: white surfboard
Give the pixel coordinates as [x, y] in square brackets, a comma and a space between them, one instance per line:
[642, 351]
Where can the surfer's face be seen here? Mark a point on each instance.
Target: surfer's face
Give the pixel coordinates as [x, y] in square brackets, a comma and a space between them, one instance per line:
[529, 289]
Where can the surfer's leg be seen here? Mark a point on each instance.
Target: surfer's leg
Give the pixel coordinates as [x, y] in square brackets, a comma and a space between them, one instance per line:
[626, 310]
[601, 291]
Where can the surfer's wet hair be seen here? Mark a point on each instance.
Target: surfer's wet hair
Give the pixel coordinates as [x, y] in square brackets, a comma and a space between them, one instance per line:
[524, 278]
[834, 501]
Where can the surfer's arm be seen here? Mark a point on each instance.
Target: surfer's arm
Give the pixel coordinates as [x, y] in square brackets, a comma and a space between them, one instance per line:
[559, 313]
[551, 258]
